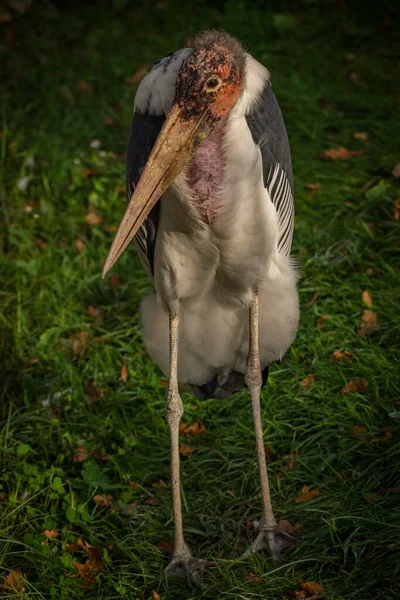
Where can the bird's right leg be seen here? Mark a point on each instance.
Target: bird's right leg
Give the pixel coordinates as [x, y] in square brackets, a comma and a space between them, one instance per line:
[182, 563]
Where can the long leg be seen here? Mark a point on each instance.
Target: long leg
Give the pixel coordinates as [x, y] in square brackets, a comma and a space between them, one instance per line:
[182, 562]
[269, 537]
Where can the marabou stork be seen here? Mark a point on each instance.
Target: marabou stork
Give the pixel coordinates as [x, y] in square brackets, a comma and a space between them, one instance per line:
[210, 189]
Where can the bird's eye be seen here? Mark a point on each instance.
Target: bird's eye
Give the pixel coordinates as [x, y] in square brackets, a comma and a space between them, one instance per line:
[212, 83]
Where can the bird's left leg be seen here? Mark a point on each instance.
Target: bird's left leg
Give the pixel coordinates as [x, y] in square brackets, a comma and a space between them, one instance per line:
[182, 563]
[269, 537]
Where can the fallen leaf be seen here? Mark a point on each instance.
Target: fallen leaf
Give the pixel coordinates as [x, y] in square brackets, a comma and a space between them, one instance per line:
[115, 281]
[340, 153]
[287, 527]
[357, 432]
[312, 588]
[50, 533]
[137, 76]
[40, 243]
[152, 501]
[165, 546]
[84, 87]
[306, 495]
[384, 438]
[103, 501]
[13, 582]
[361, 135]
[79, 245]
[396, 170]
[253, 579]
[93, 393]
[91, 311]
[191, 430]
[120, 189]
[356, 385]
[124, 373]
[82, 543]
[93, 218]
[87, 571]
[369, 322]
[291, 460]
[90, 172]
[307, 380]
[366, 298]
[396, 210]
[310, 302]
[313, 187]
[155, 595]
[29, 362]
[80, 453]
[185, 450]
[109, 121]
[164, 382]
[130, 510]
[158, 485]
[134, 484]
[321, 321]
[79, 341]
[340, 355]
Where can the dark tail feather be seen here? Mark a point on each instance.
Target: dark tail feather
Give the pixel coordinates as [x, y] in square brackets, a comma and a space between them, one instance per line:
[234, 383]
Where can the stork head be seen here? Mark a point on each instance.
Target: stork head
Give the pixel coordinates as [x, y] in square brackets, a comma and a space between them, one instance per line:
[208, 85]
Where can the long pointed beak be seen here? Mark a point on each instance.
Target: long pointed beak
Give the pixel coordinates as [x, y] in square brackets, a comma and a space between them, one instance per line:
[177, 142]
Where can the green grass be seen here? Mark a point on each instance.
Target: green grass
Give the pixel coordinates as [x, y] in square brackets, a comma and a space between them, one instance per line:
[346, 241]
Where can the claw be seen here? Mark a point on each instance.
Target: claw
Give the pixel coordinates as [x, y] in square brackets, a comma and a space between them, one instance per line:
[187, 566]
[274, 540]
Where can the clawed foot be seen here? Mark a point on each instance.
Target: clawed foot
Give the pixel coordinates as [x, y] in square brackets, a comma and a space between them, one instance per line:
[187, 566]
[272, 539]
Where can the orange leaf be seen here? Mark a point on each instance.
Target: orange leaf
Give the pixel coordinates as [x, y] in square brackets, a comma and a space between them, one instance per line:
[152, 501]
[307, 380]
[29, 362]
[115, 280]
[137, 76]
[306, 495]
[340, 355]
[191, 430]
[366, 298]
[89, 172]
[165, 546]
[13, 582]
[361, 135]
[158, 485]
[313, 187]
[134, 484]
[287, 527]
[340, 153]
[109, 121]
[155, 595]
[312, 588]
[50, 533]
[356, 385]
[124, 373]
[185, 450]
[396, 210]
[396, 170]
[79, 245]
[91, 311]
[103, 501]
[357, 432]
[80, 454]
[253, 579]
[291, 460]
[369, 322]
[321, 320]
[93, 218]
[79, 341]
[93, 393]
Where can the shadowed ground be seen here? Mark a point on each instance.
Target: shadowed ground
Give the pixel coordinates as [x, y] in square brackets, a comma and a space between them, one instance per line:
[84, 443]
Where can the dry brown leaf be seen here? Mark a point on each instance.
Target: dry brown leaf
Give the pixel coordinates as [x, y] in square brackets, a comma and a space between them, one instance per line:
[124, 373]
[13, 582]
[40, 243]
[93, 393]
[103, 501]
[155, 595]
[306, 495]
[109, 121]
[91, 311]
[310, 302]
[369, 322]
[93, 218]
[137, 76]
[253, 579]
[165, 546]
[287, 527]
[366, 298]
[185, 450]
[396, 170]
[50, 533]
[158, 485]
[321, 321]
[384, 438]
[79, 245]
[396, 210]
[82, 543]
[340, 153]
[313, 187]
[115, 281]
[120, 189]
[84, 87]
[134, 484]
[79, 341]
[291, 460]
[164, 382]
[29, 362]
[307, 380]
[80, 454]
[356, 385]
[339, 355]
[152, 501]
[87, 571]
[361, 135]
[90, 172]
[312, 588]
[191, 430]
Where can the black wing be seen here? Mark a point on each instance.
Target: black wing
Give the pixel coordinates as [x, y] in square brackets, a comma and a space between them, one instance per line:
[269, 133]
[142, 136]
